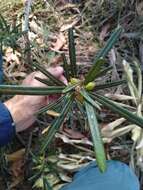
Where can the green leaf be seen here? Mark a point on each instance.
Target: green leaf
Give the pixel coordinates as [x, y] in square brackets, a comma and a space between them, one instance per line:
[96, 137]
[72, 52]
[139, 77]
[49, 75]
[51, 105]
[66, 67]
[4, 23]
[81, 108]
[46, 184]
[96, 71]
[110, 43]
[133, 118]
[70, 88]
[104, 71]
[57, 122]
[45, 81]
[89, 99]
[110, 84]
[24, 90]
[80, 115]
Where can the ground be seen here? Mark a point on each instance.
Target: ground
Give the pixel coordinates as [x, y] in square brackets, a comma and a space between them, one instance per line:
[49, 21]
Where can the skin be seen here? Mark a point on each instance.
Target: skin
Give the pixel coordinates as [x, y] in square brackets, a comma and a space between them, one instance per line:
[23, 108]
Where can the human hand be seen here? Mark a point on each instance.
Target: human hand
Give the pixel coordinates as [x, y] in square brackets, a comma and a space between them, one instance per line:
[23, 107]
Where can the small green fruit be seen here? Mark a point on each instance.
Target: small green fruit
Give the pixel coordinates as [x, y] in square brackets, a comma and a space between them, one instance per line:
[90, 86]
[74, 80]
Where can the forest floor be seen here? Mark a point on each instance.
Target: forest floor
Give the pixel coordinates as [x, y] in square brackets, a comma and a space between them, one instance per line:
[49, 21]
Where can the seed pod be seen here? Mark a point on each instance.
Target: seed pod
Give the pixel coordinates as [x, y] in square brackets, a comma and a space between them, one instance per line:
[90, 86]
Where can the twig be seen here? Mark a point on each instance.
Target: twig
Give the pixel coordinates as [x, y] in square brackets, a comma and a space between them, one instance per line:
[27, 10]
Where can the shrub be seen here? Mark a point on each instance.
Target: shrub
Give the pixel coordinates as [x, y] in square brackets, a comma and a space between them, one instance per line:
[82, 92]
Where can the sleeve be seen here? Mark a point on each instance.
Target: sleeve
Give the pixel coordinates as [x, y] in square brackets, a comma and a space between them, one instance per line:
[7, 127]
[1, 72]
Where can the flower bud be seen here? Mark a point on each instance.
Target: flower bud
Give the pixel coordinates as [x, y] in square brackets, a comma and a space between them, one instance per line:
[90, 86]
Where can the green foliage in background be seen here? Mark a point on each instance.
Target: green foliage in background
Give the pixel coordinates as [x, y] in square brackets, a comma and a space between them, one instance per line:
[9, 33]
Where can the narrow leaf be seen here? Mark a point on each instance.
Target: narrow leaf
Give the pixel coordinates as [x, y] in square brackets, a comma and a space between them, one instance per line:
[89, 99]
[48, 74]
[72, 52]
[133, 118]
[97, 70]
[81, 108]
[96, 137]
[110, 43]
[45, 81]
[57, 123]
[6, 27]
[109, 85]
[130, 79]
[46, 185]
[139, 77]
[66, 67]
[103, 72]
[69, 88]
[24, 90]
[51, 105]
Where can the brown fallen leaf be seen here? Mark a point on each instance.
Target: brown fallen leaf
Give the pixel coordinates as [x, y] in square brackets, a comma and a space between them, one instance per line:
[16, 166]
[62, 2]
[139, 8]
[16, 182]
[12, 56]
[60, 41]
[18, 155]
[70, 25]
[73, 134]
[104, 32]
[53, 113]
[68, 6]
[17, 74]
[45, 130]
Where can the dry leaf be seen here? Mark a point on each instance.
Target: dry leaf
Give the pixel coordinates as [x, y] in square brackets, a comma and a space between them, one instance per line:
[53, 113]
[67, 26]
[139, 8]
[18, 155]
[65, 139]
[16, 167]
[12, 56]
[104, 32]
[59, 42]
[73, 134]
[45, 130]
[119, 97]
[16, 181]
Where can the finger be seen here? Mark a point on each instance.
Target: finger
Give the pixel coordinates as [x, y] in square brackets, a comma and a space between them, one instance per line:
[63, 79]
[56, 71]
[29, 79]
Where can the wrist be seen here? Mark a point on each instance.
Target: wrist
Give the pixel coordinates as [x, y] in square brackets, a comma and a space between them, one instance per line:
[22, 116]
